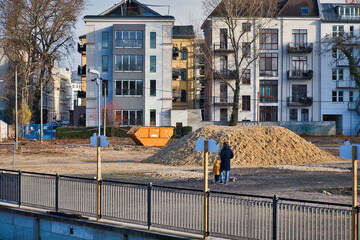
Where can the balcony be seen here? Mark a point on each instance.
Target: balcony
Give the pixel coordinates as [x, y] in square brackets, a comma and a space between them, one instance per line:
[300, 75]
[223, 101]
[82, 70]
[299, 101]
[81, 48]
[303, 48]
[176, 72]
[225, 75]
[346, 84]
[223, 48]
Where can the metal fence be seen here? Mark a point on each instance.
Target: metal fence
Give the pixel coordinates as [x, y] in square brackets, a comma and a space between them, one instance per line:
[231, 215]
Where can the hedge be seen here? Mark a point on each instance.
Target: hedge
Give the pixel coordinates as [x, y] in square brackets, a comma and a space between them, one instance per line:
[87, 132]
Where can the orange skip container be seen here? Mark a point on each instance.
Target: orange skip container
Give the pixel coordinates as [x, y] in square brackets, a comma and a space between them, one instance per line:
[151, 136]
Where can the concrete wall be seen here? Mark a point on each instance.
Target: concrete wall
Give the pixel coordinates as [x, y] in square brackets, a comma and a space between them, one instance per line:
[3, 131]
[21, 224]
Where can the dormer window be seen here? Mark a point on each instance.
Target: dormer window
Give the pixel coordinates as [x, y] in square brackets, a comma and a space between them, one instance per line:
[348, 12]
[305, 11]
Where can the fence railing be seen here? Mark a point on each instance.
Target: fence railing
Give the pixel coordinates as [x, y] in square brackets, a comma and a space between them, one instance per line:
[231, 215]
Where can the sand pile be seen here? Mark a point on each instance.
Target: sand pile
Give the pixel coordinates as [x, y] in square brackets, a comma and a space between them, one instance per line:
[252, 146]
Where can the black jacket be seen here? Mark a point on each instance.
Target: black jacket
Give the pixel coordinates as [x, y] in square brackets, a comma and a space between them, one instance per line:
[225, 155]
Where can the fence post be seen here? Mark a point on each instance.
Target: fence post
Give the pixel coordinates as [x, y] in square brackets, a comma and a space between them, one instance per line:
[149, 205]
[208, 207]
[19, 187]
[275, 200]
[57, 193]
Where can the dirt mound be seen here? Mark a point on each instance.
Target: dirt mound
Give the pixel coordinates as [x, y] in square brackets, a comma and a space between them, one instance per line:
[252, 146]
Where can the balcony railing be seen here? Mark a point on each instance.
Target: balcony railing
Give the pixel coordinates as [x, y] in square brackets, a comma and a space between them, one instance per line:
[223, 101]
[225, 75]
[81, 48]
[224, 47]
[176, 72]
[300, 75]
[300, 48]
[346, 84]
[299, 101]
[82, 70]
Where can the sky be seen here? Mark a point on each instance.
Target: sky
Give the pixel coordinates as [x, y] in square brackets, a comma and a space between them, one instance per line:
[186, 12]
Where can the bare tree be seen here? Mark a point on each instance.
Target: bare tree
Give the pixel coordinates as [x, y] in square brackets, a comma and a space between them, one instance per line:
[244, 21]
[36, 33]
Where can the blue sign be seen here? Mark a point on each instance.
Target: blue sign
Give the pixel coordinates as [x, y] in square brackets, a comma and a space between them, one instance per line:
[103, 141]
[212, 147]
[346, 151]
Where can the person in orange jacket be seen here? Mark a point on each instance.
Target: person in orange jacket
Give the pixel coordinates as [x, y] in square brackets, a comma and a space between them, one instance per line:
[216, 170]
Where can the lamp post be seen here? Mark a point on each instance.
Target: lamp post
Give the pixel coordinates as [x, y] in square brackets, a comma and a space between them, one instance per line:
[98, 146]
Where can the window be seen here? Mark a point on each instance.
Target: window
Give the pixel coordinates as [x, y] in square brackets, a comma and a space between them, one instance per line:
[153, 88]
[105, 40]
[129, 117]
[351, 30]
[305, 11]
[105, 85]
[293, 114]
[351, 96]
[304, 115]
[337, 31]
[268, 113]
[223, 65]
[223, 115]
[299, 37]
[299, 91]
[152, 39]
[338, 74]
[246, 27]
[246, 103]
[129, 88]
[223, 38]
[183, 54]
[105, 63]
[268, 91]
[269, 39]
[152, 63]
[337, 96]
[246, 76]
[337, 54]
[152, 117]
[129, 63]
[268, 64]
[298, 66]
[246, 49]
[183, 74]
[223, 92]
[183, 96]
[129, 39]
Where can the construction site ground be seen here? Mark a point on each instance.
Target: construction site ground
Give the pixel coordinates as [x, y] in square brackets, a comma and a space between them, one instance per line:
[122, 160]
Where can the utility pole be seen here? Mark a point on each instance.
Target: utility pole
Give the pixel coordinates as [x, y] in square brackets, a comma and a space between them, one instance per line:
[16, 109]
[206, 190]
[41, 110]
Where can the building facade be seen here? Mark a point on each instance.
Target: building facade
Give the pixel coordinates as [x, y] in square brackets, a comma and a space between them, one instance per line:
[183, 61]
[131, 46]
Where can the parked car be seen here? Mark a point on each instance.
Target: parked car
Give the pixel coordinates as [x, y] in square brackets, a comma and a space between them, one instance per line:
[64, 123]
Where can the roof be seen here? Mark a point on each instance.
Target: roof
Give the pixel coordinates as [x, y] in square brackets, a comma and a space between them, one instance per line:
[328, 13]
[183, 31]
[296, 8]
[128, 9]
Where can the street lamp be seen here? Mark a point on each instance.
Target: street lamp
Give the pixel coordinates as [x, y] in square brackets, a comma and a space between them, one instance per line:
[98, 145]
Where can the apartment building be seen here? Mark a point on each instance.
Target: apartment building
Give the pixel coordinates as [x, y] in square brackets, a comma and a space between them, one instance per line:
[131, 46]
[339, 93]
[183, 60]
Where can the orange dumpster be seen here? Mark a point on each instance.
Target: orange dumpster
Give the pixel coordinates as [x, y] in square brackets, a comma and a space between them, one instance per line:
[151, 136]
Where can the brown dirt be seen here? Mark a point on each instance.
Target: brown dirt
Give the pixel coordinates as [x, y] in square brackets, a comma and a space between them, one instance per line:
[252, 146]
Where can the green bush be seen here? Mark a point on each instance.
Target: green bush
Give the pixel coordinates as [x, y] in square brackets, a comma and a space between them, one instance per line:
[186, 130]
[87, 132]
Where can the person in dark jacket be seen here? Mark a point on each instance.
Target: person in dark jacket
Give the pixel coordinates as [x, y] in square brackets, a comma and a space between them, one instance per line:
[225, 155]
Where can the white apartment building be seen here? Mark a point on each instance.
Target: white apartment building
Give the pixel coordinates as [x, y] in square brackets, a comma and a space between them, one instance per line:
[292, 80]
[281, 84]
[339, 93]
[131, 46]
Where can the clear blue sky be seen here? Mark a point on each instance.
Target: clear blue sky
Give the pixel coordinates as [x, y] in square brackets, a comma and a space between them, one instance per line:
[186, 12]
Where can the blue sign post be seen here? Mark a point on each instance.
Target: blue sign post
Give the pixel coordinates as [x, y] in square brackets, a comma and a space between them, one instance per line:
[206, 146]
[350, 152]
